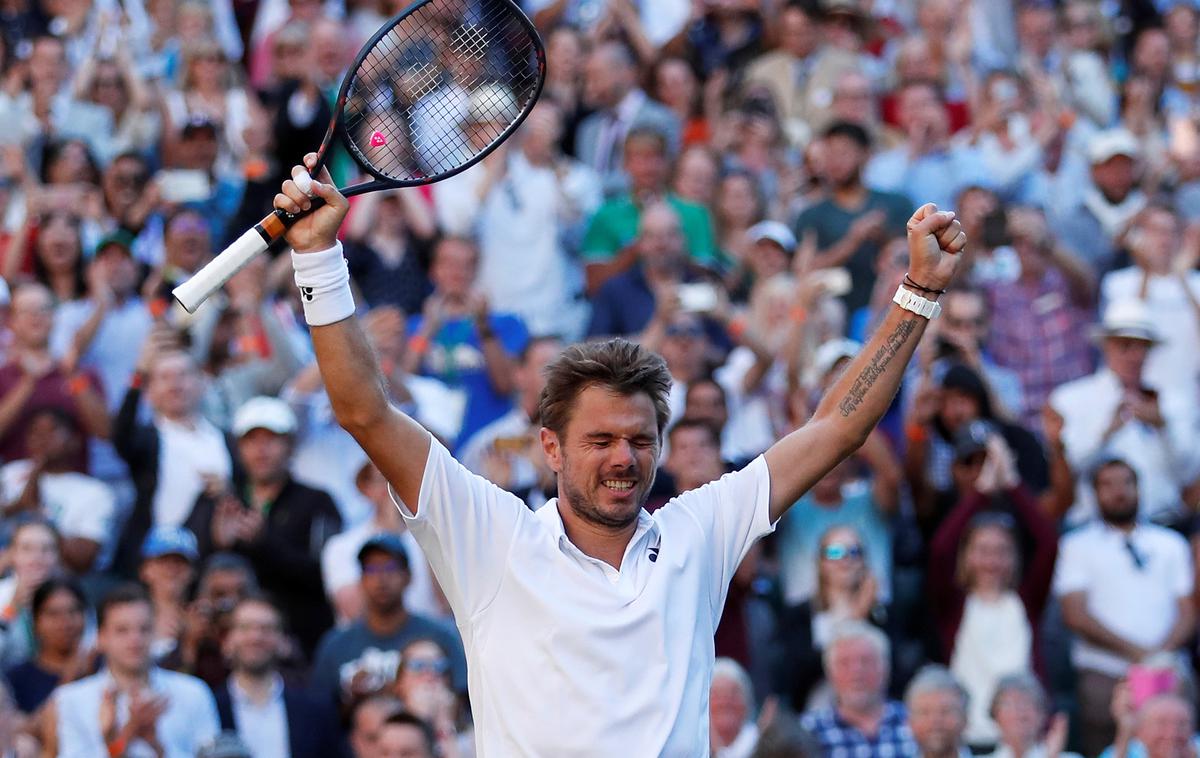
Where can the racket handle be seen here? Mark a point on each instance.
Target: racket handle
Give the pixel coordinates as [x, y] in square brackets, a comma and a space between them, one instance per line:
[219, 270]
[232, 259]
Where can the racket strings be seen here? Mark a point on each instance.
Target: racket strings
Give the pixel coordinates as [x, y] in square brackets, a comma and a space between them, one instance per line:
[444, 84]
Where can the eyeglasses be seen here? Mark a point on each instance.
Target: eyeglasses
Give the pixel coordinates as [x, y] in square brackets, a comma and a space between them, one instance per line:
[836, 551]
[432, 666]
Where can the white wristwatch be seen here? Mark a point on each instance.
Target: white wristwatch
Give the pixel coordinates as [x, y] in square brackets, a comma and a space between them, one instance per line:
[911, 301]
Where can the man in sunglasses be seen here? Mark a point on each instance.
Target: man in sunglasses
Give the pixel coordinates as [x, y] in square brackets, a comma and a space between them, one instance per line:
[361, 658]
[1126, 591]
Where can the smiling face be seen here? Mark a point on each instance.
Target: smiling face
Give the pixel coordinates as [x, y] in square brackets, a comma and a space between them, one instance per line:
[1020, 719]
[606, 456]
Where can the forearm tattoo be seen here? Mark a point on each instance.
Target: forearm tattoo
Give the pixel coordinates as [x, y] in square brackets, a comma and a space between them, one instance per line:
[877, 366]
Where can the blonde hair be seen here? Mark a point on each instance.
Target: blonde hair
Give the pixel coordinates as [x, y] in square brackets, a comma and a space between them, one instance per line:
[821, 596]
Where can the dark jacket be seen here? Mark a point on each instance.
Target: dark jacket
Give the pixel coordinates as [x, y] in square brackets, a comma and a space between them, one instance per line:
[312, 728]
[803, 668]
[138, 444]
[287, 554]
[1038, 533]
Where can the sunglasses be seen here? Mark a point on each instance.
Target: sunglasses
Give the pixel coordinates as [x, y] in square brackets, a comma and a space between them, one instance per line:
[435, 666]
[836, 551]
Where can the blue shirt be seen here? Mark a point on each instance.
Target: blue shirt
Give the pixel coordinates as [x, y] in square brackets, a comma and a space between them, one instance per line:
[456, 358]
[623, 305]
[31, 685]
[800, 538]
[934, 178]
[840, 740]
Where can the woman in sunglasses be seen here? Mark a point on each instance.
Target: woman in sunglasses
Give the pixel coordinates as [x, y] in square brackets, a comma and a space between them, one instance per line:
[846, 591]
[423, 685]
[986, 600]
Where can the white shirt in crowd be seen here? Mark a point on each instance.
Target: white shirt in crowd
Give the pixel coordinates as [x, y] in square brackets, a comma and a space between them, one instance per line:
[1164, 459]
[328, 458]
[994, 640]
[186, 455]
[1137, 603]
[751, 427]
[743, 745]
[78, 505]
[1174, 364]
[264, 728]
[567, 655]
[340, 568]
[189, 721]
[529, 210]
[1037, 751]
[511, 425]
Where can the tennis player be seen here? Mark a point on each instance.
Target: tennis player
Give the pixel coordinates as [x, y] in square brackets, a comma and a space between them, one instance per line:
[588, 624]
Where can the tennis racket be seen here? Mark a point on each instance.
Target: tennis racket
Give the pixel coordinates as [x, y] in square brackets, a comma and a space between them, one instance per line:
[433, 92]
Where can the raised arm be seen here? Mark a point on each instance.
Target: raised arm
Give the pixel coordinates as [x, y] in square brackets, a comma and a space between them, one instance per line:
[396, 444]
[859, 398]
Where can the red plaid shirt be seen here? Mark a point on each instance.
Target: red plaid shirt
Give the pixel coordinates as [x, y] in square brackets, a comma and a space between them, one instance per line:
[1041, 334]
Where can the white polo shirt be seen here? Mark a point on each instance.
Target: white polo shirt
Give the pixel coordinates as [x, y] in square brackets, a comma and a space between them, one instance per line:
[567, 656]
[1140, 604]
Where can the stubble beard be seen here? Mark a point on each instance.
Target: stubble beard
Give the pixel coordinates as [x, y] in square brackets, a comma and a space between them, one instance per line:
[586, 507]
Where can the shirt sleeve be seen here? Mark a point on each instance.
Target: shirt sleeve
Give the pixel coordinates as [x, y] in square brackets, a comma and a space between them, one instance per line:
[338, 568]
[466, 527]
[206, 724]
[1182, 574]
[732, 513]
[78, 736]
[599, 241]
[95, 521]
[1071, 573]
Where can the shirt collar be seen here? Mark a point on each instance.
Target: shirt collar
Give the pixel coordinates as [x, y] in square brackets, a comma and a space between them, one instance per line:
[629, 105]
[239, 696]
[549, 515]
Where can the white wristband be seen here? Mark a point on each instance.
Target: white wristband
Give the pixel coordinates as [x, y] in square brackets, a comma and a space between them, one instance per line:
[911, 301]
[324, 281]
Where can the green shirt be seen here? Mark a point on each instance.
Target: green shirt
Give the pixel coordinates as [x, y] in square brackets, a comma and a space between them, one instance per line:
[831, 222]
[615, 225]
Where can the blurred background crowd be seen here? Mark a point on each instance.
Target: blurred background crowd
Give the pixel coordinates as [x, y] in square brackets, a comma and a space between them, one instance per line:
[198, 561]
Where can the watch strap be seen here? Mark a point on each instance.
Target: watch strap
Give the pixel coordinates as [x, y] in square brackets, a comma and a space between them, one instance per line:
[911, 301]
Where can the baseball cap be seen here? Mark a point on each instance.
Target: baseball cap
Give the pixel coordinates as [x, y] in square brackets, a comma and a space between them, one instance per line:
[1129, 319]
[774, 231]
[263, 412]
[120, 238]
[386, 542]
[170, 540]
[832, 351]
[972, 439]
[1111, 143]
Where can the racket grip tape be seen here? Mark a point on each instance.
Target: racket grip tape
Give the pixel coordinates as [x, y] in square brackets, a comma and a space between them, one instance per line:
[232, 259]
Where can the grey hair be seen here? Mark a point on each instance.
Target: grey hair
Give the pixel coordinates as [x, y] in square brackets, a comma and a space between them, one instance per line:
[858, 630]
[728, 668]
[1024, 683]
[936, 678]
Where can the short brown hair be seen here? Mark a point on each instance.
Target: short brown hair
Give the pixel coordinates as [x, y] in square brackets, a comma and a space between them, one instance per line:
[616, 364]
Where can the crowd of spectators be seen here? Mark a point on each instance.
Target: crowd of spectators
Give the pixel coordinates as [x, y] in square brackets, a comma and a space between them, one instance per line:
[198, 561]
